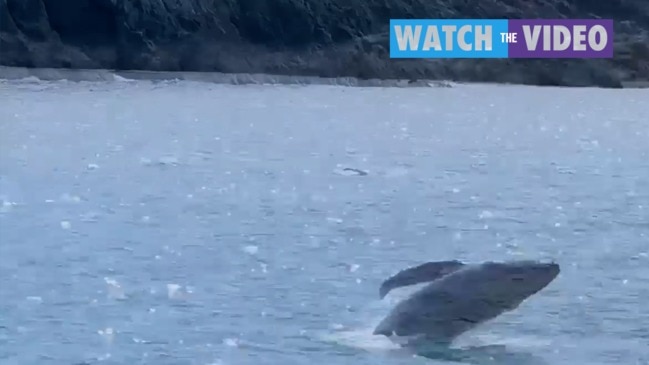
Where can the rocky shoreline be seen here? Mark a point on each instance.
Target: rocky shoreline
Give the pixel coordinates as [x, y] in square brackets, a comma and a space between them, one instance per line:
[333, 39]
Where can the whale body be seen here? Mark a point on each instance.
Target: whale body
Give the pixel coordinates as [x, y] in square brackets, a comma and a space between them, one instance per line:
[460, 296]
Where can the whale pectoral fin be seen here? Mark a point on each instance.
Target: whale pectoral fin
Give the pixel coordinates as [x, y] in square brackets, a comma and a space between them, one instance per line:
[429, 271]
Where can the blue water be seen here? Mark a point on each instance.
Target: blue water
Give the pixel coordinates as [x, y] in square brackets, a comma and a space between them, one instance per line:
[188, 223]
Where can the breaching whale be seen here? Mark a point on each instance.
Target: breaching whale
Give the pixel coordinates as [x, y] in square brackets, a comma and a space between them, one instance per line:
[459, 296]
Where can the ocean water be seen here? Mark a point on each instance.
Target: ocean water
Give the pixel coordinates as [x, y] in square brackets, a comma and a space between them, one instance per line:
[178, 222]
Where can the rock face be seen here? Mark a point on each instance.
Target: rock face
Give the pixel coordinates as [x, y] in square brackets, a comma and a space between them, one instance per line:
[300, 37]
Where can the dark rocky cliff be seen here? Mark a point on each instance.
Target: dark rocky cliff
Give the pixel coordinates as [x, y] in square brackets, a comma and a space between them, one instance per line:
[300, 37]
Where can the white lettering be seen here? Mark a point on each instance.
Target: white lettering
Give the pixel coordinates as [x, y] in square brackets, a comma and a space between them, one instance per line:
[406, 40]
[561, 39]
[579, 36]
[449, 30]
[432, 39]
[531, 39]
[603, 38]
[547, 37]
[461, 38]
[483, 39]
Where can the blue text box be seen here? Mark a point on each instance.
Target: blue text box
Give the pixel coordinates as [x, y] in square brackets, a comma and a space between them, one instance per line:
[448, 38]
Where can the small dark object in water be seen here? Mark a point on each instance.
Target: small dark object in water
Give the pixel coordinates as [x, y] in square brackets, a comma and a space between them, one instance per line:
[360, 172]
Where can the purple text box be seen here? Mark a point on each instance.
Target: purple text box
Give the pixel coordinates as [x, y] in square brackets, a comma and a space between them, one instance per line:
[561, 38]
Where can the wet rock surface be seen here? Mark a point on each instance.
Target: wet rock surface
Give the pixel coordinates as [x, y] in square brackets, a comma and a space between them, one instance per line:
[330, 38]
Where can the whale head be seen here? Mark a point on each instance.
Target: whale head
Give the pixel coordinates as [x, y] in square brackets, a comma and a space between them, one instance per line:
[510, 283]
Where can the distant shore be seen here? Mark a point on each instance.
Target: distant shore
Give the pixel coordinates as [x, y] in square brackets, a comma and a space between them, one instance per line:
[94, 75]
[8, 73]
[335, 39]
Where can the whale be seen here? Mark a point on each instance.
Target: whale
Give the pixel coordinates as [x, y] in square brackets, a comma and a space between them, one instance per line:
[458, 297]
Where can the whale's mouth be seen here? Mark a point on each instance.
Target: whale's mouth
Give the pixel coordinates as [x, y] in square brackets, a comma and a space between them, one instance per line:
[468, 320]
[383, 332]
[536, 272]
[551, 271]
[554, 268]
[529, 280]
